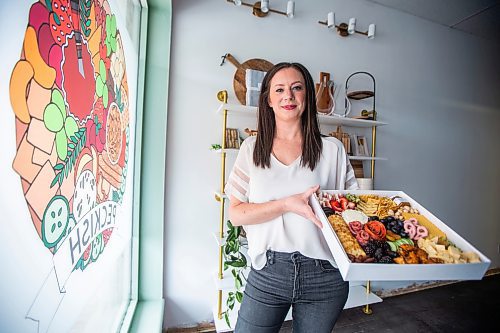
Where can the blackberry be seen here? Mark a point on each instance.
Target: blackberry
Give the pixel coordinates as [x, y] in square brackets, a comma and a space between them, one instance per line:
[380, 243]
[392, 254]
[386, 247]
[378, 253]
[385, 260]
[373, 218]
[370, 249]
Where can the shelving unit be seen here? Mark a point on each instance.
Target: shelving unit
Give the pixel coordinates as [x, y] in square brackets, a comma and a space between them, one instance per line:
[359, 292]
[358, 95]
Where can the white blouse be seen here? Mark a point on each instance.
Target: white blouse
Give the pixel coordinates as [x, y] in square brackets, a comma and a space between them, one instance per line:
[289, 232]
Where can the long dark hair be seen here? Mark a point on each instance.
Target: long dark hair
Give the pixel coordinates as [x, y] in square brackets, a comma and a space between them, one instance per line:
[311, 136]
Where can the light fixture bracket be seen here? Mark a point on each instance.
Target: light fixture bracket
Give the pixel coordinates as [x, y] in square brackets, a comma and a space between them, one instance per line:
[257, 11]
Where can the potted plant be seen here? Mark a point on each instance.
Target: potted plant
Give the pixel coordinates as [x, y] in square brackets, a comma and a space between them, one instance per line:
[234, 260]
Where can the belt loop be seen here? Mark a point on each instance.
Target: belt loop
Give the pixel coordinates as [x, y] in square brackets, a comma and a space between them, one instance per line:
[270, 257]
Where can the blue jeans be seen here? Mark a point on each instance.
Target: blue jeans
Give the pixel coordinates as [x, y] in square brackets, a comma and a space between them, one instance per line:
[313, 288]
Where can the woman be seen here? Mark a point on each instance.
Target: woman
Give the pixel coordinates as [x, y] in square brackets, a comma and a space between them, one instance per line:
[273, 177]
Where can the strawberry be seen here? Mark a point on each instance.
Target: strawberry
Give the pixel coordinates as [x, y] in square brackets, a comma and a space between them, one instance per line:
[336, 205]
[343, 203]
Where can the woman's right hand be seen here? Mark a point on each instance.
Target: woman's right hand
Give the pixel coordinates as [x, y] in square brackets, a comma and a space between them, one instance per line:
[299, 204]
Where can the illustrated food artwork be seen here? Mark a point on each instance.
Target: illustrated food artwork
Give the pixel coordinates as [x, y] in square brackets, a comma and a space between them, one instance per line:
[378, 229]
[69, 94]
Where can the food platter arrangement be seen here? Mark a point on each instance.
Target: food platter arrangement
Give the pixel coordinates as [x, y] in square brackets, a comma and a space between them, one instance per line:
[372, 233]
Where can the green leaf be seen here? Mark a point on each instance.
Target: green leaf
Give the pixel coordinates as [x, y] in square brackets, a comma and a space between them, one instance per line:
[238, 283]
[230, 300]
[56, 19]
[244, 259]
[226, 318]
[58, 166]
[87, 23]
[48, 4]
[54, 181]
[72, 138]
[239, 296]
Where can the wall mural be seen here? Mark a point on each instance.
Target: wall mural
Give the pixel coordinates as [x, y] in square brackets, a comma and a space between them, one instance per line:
[69, 93]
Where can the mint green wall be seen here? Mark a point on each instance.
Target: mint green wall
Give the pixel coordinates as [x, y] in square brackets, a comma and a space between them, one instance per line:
[151, 152]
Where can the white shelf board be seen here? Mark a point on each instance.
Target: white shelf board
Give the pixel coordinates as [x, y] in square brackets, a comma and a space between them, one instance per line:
[219, 195]
[231, 151]
[359, 297]
[235, 109]
[221, 241]
[227, 281]
[346, 121]
[367, 158]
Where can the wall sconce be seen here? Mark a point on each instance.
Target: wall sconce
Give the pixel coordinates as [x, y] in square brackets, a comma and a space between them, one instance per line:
[261, 8]
[344, 29]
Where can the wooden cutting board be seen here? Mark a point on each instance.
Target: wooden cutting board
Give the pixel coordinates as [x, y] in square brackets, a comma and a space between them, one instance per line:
[239, 83]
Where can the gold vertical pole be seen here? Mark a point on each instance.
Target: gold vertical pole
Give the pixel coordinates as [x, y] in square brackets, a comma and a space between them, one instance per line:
[367, 309]
[222, 96]
[374, 139]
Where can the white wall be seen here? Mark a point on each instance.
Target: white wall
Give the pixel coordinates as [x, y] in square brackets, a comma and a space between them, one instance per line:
[436, 87]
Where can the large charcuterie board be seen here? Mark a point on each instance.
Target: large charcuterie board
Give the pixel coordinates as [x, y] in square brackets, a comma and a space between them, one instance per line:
[388, 236]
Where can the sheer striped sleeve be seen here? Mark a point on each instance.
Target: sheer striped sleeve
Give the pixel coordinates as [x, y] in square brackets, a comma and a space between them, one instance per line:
[239, 179]
[350, 179]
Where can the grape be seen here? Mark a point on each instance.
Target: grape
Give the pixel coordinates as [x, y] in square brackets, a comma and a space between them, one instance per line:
[99, 85]
[52, 118]
[58, 100]
[70, 126]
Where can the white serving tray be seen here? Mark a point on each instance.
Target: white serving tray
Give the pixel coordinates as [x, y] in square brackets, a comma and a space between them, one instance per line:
[401, 272]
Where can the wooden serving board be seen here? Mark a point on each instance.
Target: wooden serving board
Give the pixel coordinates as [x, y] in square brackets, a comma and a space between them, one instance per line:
[239, 84]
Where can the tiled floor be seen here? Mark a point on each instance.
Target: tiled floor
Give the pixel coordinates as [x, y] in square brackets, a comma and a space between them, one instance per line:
[469, 306]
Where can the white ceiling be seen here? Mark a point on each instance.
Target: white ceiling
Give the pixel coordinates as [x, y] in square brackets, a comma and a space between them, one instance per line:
[480, 18]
